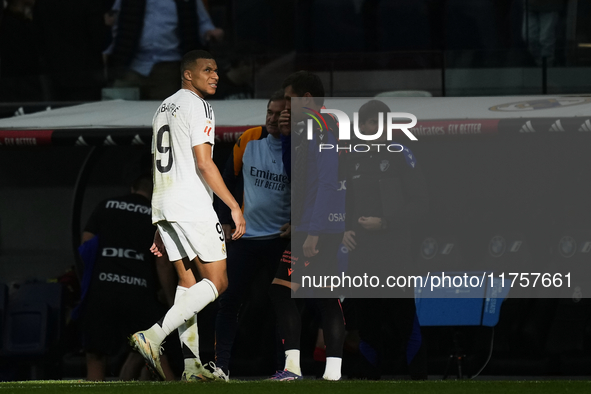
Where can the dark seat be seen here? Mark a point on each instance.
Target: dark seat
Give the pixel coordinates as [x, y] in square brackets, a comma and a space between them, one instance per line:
[26, 329]
[32, 329]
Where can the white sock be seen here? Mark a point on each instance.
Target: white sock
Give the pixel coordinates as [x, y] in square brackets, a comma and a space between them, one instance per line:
[189, 335]
[188, 304]
[333, 368]
[292, 361]
[156, 334]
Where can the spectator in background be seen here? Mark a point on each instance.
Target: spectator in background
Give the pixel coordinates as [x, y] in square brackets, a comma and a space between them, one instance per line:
[539, 29]
[149, 58]
[19, 53]
[71, 39]
[120, 286]
[256, 157]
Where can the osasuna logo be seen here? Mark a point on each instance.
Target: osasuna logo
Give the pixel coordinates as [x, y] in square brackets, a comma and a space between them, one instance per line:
[124, 279]
[336, 217]
[124, 253]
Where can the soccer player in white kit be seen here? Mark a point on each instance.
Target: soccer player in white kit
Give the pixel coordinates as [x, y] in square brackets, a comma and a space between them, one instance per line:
[185, 178]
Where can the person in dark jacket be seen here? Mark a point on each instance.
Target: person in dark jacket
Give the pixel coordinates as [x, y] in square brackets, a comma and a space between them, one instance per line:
[121, 280]
[386, 195]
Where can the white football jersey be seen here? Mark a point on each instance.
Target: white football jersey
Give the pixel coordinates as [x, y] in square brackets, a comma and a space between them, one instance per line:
[182, 121]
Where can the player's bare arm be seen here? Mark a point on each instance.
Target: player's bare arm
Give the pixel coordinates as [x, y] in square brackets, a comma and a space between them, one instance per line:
[214, 179]
[157, 247]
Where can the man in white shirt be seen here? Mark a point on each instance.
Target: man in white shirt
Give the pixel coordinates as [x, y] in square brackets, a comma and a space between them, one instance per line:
[185, 178]
[149, 39]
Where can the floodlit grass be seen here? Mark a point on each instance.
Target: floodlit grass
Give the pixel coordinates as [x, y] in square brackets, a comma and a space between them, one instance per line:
[304, 387]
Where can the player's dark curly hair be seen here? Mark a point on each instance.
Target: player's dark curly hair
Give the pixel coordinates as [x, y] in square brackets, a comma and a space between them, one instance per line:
[303, 82]
[191, 57]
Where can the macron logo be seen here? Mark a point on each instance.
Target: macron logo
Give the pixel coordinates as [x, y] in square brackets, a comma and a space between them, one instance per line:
[124, 206]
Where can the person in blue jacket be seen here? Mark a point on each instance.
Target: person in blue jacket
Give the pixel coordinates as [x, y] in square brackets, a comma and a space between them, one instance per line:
[317, 199]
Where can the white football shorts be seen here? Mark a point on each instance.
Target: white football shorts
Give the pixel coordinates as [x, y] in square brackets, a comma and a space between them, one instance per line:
[191, 239]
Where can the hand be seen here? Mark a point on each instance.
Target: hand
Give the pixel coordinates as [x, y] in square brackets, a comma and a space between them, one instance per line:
[158, 246]
[349, 240]
[285, 231]
[239, 222]
[214, 35]
[227, 232]
[370, 223]
[310, 246]
[285, 122]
